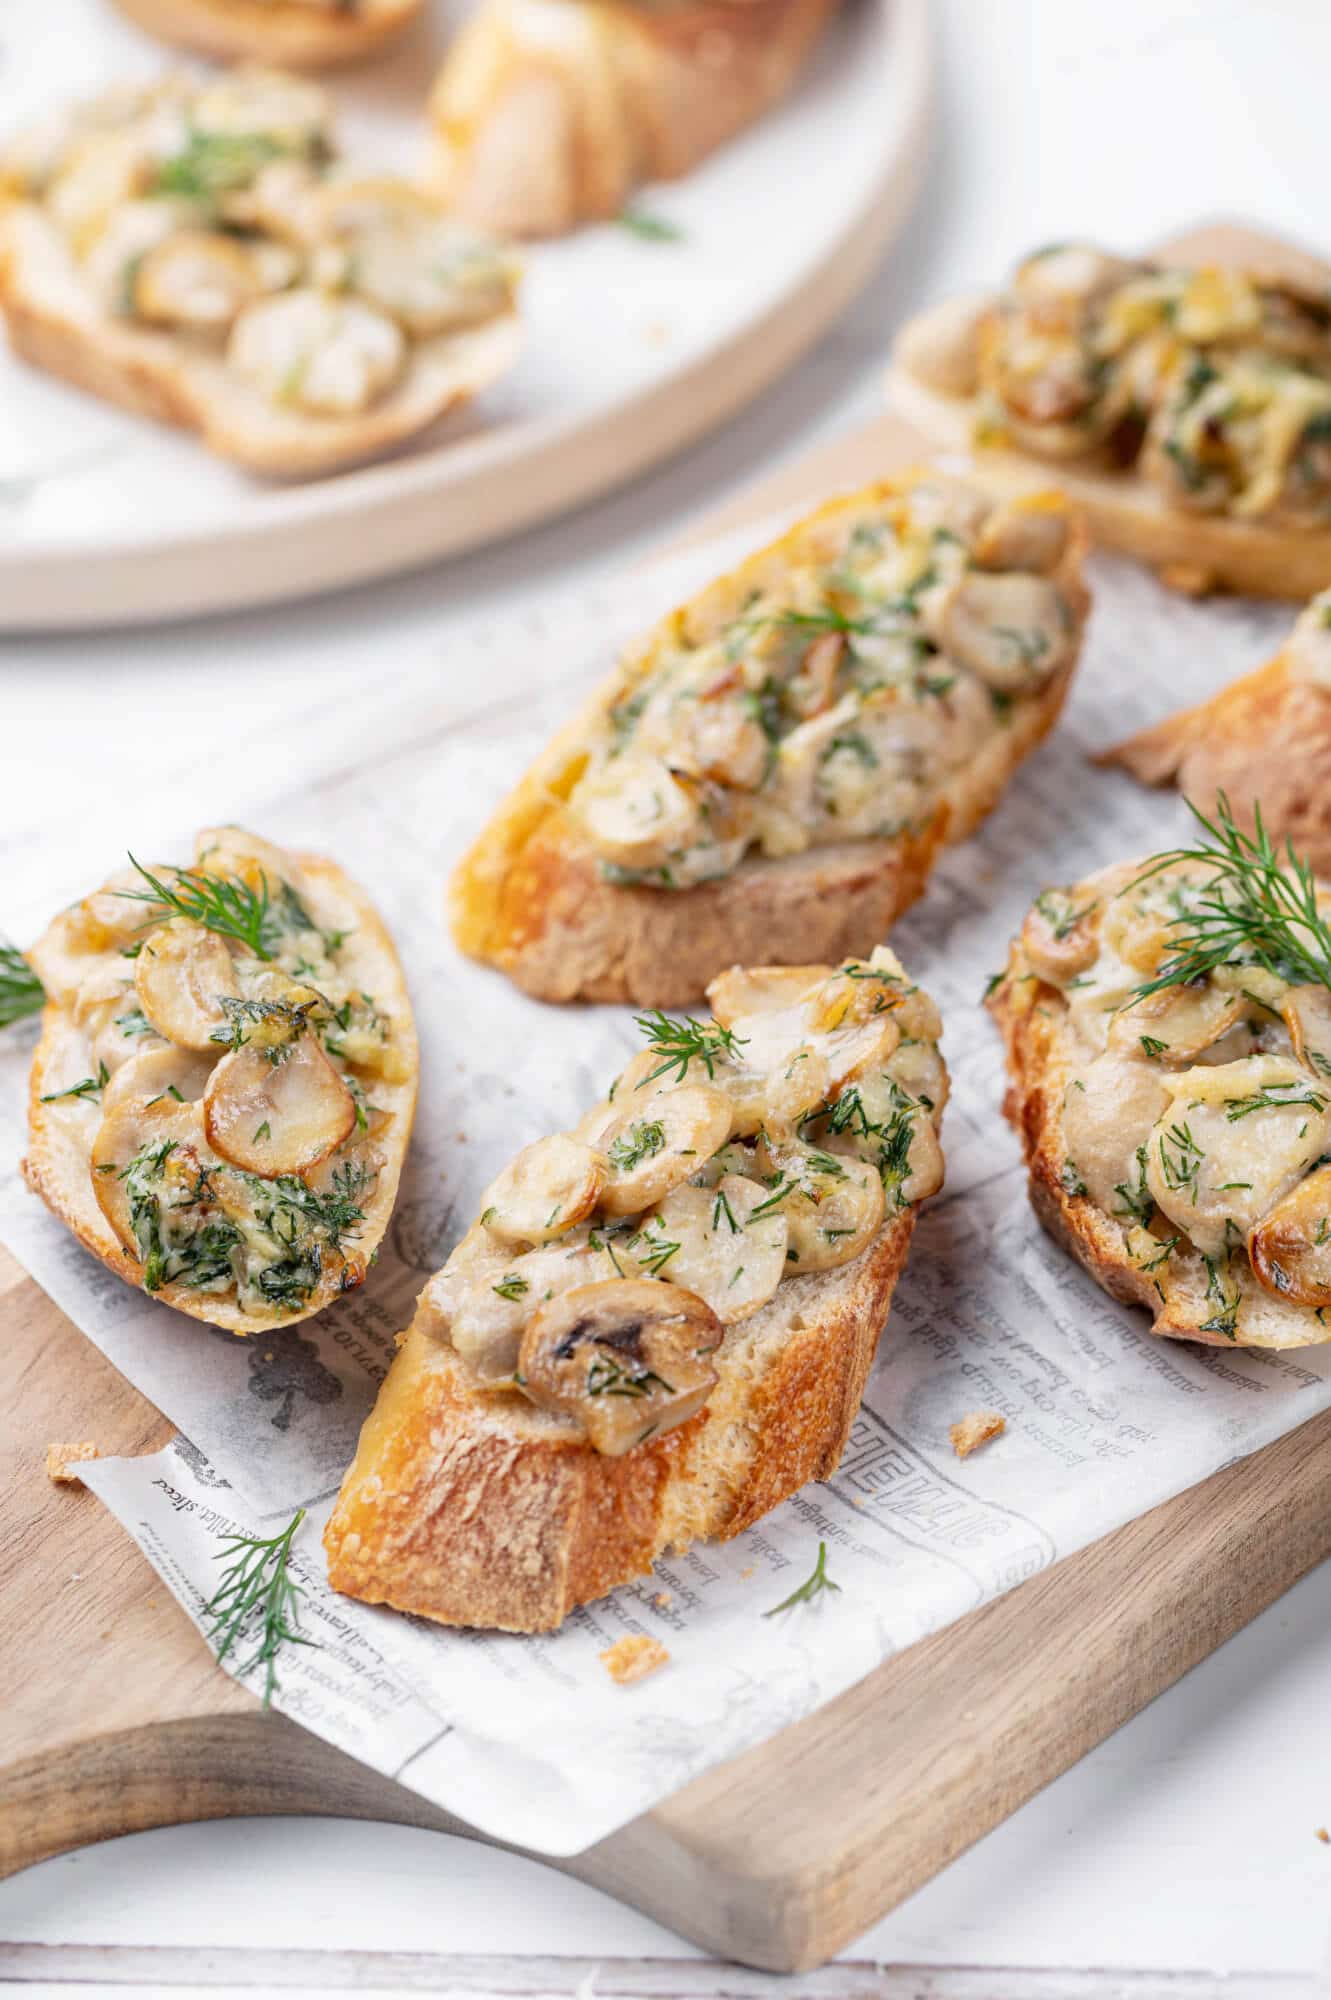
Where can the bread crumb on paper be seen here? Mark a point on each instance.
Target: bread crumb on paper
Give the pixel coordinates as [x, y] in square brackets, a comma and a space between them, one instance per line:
[633, 1657]
[60, 1457]
[663, 1600]
[976, 1428]
[1189, 579]
[1323, 1835]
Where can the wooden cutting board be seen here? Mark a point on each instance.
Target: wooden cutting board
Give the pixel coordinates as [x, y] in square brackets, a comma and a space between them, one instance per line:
[115, 1718]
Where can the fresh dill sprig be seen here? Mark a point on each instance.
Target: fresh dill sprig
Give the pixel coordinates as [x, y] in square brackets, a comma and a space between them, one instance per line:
[686, 1041]
[88, 1087]
[1259, 908]
[258, 1581]
[21, 991]
[651, 228]
[813, 1586]
[221, 903]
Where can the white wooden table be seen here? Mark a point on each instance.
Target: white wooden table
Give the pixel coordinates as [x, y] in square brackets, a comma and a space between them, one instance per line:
[1183, 1853]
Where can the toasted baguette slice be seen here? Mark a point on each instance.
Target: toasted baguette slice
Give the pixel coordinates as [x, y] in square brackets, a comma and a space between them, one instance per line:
[88, 943]
[55, 322]
[473, 1503]
[532, 898]
[548, 113]
[932, 384]
[288, 34]
[1104, 1147]
[1264, 741]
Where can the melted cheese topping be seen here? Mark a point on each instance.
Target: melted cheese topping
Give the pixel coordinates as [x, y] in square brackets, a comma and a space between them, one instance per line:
[216, 211]
[730, 1155]
[226, 1095]
[1196, 1118]
[1216, 382]
[843, 700]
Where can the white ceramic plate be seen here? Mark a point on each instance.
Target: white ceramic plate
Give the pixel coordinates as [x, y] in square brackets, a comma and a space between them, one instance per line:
[633, 347]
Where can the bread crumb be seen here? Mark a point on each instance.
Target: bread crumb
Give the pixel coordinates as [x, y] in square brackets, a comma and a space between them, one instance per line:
[633, 1657]
[1189, 579]
[59, 1458]
[1323, 1836]
[976, 1428]
[662, 1600]
[745, 1574]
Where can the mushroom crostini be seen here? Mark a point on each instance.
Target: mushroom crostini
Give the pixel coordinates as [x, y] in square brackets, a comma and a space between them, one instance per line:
[661, 1323]
[548, 113]
[1168, 1033]
[772, 773]
[296, 34]
[189, 251]
[1267, 736]
[1188, 410]
[223, 1092]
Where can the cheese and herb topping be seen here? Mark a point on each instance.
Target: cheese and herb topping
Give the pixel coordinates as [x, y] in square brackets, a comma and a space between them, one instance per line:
[217, 212]
[841, 700]
[609, 1264]
[1215, 382]
[231, 1072]
[1195, 1111]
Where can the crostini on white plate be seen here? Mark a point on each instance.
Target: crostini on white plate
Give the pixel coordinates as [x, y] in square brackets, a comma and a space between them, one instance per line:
[288, 34]
[194, 252]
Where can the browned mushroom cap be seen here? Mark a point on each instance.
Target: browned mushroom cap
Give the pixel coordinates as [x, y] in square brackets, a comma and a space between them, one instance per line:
[277, 1117]
[545, 1191]
[1178, 1024]
[1061, 934]
[762, 989]
[626, 1359]
[196, 279]
[1306, 1011]
[1290, 1249]
[133, 1129]
[181, 976]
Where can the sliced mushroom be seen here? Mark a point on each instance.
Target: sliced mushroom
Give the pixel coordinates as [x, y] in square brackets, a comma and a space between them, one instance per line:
[652, 1149]
[1232, 1142]
[1140, 917]
[764, 989]
[833, 1204]
[792, 1090]
[877, 1120]
[547, 1190]
[1025, 534]
[864, 990]
[157, 1072]
[305, 351]
[486, 1293]
[1306, 1011]
[277, 1116]
[1180, 1025]
[920, 1070]
[1011, 629]
[813, 688]
[1061, 934]
[181, 976]
[723, 1243]
[636, 812]
[232, 851]
[1290, 1248]
[196, 279]
[720, 740]
[625, 1359]
[432, 275]
[1106, 1117]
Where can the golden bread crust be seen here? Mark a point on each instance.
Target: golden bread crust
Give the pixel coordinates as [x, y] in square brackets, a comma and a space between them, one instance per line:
[284, 37]
[551, 115]
[1264, 740]
[478, 1511]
